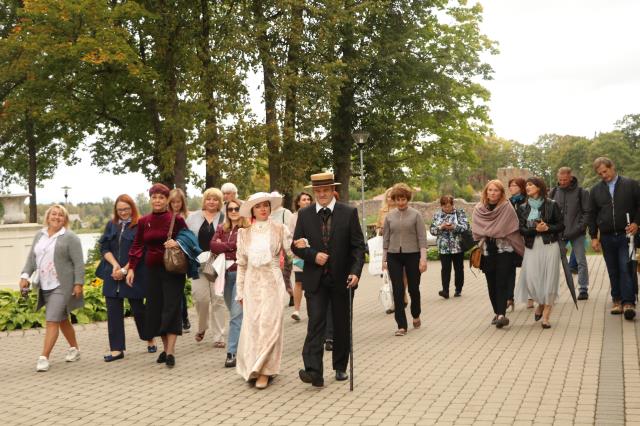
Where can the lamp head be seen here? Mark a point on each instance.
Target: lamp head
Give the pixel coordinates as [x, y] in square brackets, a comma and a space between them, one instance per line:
[360, 137]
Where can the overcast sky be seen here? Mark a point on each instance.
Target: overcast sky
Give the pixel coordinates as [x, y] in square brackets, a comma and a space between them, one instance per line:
[565, 67]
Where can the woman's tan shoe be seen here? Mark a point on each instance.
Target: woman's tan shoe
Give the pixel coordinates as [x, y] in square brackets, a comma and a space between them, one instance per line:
[262, 382]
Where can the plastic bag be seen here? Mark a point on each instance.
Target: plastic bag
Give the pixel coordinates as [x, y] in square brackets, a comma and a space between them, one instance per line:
[386, 292]
[375, 255]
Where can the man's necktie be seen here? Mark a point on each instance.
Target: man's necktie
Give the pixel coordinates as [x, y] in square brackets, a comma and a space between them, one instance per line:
[325, 215]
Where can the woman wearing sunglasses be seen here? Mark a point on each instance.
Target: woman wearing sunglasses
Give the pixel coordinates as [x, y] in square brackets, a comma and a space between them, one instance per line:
[223, 243]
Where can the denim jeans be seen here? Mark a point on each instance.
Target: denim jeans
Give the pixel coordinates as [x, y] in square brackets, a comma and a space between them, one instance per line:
[235, 311]
[578, 253]
[616, 255]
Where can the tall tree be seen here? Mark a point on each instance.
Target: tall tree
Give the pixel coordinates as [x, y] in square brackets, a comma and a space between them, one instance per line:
[409, 79]
[39, 124]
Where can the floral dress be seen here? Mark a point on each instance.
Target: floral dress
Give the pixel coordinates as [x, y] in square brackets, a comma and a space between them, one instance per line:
[448, 242]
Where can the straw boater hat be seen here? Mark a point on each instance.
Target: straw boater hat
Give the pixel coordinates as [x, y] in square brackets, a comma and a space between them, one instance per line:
[275, 198]
[322, 179]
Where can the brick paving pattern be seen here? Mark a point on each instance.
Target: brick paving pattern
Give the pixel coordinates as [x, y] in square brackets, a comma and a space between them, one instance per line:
[456, 369]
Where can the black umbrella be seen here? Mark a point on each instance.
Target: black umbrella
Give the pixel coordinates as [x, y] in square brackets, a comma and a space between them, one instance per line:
[568, 276]
[632, 263]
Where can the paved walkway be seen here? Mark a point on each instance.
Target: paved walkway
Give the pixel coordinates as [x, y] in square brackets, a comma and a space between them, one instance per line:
[456, 369]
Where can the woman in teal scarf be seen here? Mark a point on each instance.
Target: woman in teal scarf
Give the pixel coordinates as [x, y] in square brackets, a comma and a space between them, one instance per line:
[541, 224]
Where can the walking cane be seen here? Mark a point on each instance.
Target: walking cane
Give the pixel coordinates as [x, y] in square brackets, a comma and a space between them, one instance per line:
[351, 339]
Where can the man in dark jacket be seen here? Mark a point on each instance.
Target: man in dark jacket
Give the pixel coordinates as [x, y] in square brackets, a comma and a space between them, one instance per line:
[332, 246]
[574, 204]
[613, 200]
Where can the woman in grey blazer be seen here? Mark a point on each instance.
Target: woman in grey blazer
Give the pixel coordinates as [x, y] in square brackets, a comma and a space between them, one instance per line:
[404, 251]
[56, 268]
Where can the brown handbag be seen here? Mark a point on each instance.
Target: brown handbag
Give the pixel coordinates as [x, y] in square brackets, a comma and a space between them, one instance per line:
[475, 257]
[208, 270]
[174, 258]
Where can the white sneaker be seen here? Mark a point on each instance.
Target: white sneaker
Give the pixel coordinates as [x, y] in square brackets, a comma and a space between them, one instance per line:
[42, 364]
[73, 354]
[296, 315]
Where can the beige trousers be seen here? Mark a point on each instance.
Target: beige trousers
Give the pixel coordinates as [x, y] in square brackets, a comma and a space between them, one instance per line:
[210, 308]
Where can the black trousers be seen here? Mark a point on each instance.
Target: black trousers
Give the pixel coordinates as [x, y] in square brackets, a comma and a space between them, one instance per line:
[328, 335]
[446, 260]
[164, 302]
[498, 269]
[184, 310]
[397, 263]
[115, 321]
[318, 302]
[512, 284]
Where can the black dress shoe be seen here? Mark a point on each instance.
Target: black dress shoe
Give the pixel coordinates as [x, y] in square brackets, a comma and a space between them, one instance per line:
[311, 377]
[109, 358]
[341, 375]
[328, 345]
[583, 295]
[230, 362]
[152, 349]
[162, 358]
[501, 322]
[171, 361]
[444, 294]
[537, 317]
[186, 325]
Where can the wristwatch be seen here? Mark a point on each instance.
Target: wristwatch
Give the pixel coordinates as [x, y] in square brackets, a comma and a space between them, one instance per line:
[123, 271]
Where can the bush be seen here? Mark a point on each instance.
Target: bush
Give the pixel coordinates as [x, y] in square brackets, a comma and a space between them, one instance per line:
[433, 254]
[17, 312]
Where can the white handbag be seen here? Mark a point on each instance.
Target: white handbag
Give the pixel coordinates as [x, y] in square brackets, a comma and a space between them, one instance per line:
[385, 296]
[375, 255]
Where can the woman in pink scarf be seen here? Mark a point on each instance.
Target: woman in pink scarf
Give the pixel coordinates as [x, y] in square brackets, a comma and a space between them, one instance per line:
[495, 225]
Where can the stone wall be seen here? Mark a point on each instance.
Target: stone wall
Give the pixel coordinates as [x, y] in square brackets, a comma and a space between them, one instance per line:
[15, 243]
[505, 174]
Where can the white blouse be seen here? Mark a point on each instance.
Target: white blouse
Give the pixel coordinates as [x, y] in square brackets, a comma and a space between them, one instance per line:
[259, 250]
[44, 249]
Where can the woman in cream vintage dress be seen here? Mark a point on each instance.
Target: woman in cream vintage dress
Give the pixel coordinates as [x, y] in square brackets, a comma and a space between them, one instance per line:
[260, 290]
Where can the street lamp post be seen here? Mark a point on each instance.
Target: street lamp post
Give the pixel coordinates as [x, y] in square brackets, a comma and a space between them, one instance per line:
[66, 194]
[361, 138]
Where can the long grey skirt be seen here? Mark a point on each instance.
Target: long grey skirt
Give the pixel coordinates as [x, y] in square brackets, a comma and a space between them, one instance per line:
[540, 273]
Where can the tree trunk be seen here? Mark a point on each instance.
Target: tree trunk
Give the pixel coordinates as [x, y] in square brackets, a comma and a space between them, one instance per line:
[343, 117]
[211, 138]
[272, 137]
[292, 71]
[213, 177]
[33, 168]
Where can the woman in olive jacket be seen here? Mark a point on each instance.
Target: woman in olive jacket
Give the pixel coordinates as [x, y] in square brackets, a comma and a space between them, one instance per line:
[541, 224]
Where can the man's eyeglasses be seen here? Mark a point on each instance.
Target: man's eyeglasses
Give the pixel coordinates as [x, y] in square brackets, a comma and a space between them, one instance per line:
[233, 209]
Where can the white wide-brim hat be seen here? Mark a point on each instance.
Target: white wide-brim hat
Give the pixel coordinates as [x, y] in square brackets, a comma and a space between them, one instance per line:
[275, 198]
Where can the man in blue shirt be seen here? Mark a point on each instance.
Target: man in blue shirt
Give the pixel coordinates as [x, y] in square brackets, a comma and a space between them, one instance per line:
[614, 218]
